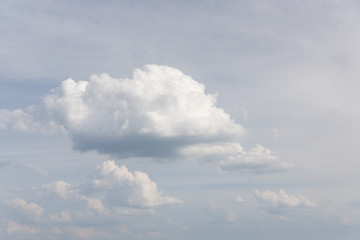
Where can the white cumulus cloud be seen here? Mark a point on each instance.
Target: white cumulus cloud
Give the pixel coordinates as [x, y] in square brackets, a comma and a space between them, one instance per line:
[158, 113]
[154, 113]
[122, 187]
[280, 201]
[111, 187]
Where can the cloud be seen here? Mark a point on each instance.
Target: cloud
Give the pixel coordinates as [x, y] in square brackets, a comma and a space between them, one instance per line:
[278, 202]
[19, 230]
[112, 185]
[82, 232]
[63, 216]
[218, 212]
[94, 204]
[122, 187]
[4, 163]
[345, 213]
[275, 133]
[231, 157]
[239, 198]
[153, 114]
[58, 188]
[37, 169]
[30, 211]
[159, 113]
[33, 119]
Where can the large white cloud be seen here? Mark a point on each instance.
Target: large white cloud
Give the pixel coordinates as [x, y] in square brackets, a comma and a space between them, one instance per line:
[158, 113]
[277, 202]
[154, 113]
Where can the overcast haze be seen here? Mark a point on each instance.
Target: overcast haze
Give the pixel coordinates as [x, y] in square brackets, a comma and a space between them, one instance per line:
[179, 120]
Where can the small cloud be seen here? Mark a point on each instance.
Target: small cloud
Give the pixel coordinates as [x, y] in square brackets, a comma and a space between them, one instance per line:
[63, 216]
[239, 199]
[30, 211]
[82, 232]
[4, 163]
[58, 188]
[19, 230]
[345, 213]
[94, 203]
[279, 202]
[123, 187]
[33, 119]
[231, 157]
[217, 212]
[37, 169]
[56, 231]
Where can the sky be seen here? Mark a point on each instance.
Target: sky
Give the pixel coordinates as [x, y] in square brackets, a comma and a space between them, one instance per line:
[179, 120]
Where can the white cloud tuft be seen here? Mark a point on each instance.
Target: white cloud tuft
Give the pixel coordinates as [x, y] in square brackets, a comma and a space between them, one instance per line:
[124, 187]
[153, 114]
[277, 202]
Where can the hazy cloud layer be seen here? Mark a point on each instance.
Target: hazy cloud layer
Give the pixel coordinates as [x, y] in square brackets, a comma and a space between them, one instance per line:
[278, 202]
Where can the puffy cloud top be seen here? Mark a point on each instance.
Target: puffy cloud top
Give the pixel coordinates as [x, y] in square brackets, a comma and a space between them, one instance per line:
[136, 189]
[154, 113]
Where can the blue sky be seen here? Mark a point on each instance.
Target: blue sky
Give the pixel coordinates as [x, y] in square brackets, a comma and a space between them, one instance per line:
[179, 120]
